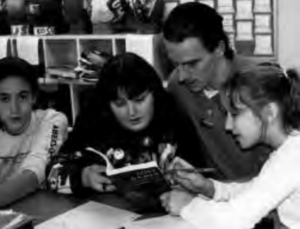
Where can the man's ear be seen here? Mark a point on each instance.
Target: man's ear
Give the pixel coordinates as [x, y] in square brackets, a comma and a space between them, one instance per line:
[220, 50]
[270, 112]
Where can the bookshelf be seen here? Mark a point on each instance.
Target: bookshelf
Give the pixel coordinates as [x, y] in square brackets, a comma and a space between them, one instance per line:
[58, 56]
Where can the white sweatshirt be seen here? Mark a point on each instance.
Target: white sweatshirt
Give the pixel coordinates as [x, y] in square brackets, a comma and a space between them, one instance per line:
[31, 149]
[241, 206]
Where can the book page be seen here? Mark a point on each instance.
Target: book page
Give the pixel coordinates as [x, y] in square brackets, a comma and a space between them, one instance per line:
[91, 215]
[129, 168]
[162, 222]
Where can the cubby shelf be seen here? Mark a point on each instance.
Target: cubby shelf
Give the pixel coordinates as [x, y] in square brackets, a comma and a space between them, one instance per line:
[58, 56]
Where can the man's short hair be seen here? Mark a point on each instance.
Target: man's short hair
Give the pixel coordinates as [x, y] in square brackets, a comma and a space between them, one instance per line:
[197, 20]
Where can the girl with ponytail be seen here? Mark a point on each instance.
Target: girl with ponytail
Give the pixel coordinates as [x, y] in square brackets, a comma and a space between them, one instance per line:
[263, 104]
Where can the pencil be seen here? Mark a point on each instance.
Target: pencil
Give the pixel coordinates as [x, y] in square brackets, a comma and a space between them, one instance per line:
[195, 170]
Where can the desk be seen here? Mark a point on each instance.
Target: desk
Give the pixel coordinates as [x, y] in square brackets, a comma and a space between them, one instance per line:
[44, 204]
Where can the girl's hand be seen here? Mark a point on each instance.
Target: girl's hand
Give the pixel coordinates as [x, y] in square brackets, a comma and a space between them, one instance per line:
[94, 177]
[191, 181]
[175, 200]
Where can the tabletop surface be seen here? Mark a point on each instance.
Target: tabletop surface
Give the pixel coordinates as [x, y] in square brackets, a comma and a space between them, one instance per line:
[44, 204]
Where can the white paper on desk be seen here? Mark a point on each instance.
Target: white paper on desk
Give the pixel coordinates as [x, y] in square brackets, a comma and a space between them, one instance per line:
[142, 45]
[91, 215]
[263, 23]
[225, 6]
[162, 222]
[262, 6]
[263, 45]
[244, 31]
[210, 3]
[244, 9]
[27, 49]
[3, 46]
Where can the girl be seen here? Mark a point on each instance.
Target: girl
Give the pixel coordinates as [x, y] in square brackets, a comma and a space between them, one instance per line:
[28, 137]
[130, 113]
[264, 105]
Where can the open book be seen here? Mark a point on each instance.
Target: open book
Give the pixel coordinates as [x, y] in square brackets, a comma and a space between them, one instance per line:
[138, 177]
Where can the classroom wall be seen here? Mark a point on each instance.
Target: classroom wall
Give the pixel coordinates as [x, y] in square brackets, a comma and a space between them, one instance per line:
[289, 33]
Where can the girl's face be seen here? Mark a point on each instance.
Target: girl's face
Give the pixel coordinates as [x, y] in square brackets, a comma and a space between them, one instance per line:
[245, 126]
[133, 114]
[16, 102]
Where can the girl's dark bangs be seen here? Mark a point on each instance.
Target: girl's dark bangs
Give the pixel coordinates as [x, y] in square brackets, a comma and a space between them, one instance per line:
[131, 89]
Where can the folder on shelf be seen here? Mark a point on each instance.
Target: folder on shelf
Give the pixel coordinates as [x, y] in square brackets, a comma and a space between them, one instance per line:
[64, 71]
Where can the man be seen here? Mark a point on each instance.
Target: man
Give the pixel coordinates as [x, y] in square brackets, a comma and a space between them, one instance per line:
[197, 44]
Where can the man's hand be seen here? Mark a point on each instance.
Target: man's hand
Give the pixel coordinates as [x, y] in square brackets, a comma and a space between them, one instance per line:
[94, 177]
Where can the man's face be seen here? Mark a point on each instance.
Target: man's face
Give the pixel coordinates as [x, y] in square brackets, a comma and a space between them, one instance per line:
[196, 63]
[16, 101]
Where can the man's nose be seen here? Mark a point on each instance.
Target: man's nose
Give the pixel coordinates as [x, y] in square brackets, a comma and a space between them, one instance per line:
[184, 73]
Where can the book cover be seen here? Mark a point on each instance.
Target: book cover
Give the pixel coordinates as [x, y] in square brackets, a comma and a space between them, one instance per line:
[146, 177]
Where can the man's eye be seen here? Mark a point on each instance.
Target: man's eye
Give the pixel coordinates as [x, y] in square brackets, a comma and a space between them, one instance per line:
[4, 98]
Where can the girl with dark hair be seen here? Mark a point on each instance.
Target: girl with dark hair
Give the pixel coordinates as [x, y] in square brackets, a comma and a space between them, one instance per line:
[264, 108]
[130, 113]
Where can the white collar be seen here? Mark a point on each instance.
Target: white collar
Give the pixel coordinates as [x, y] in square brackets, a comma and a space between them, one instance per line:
[210, 93]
